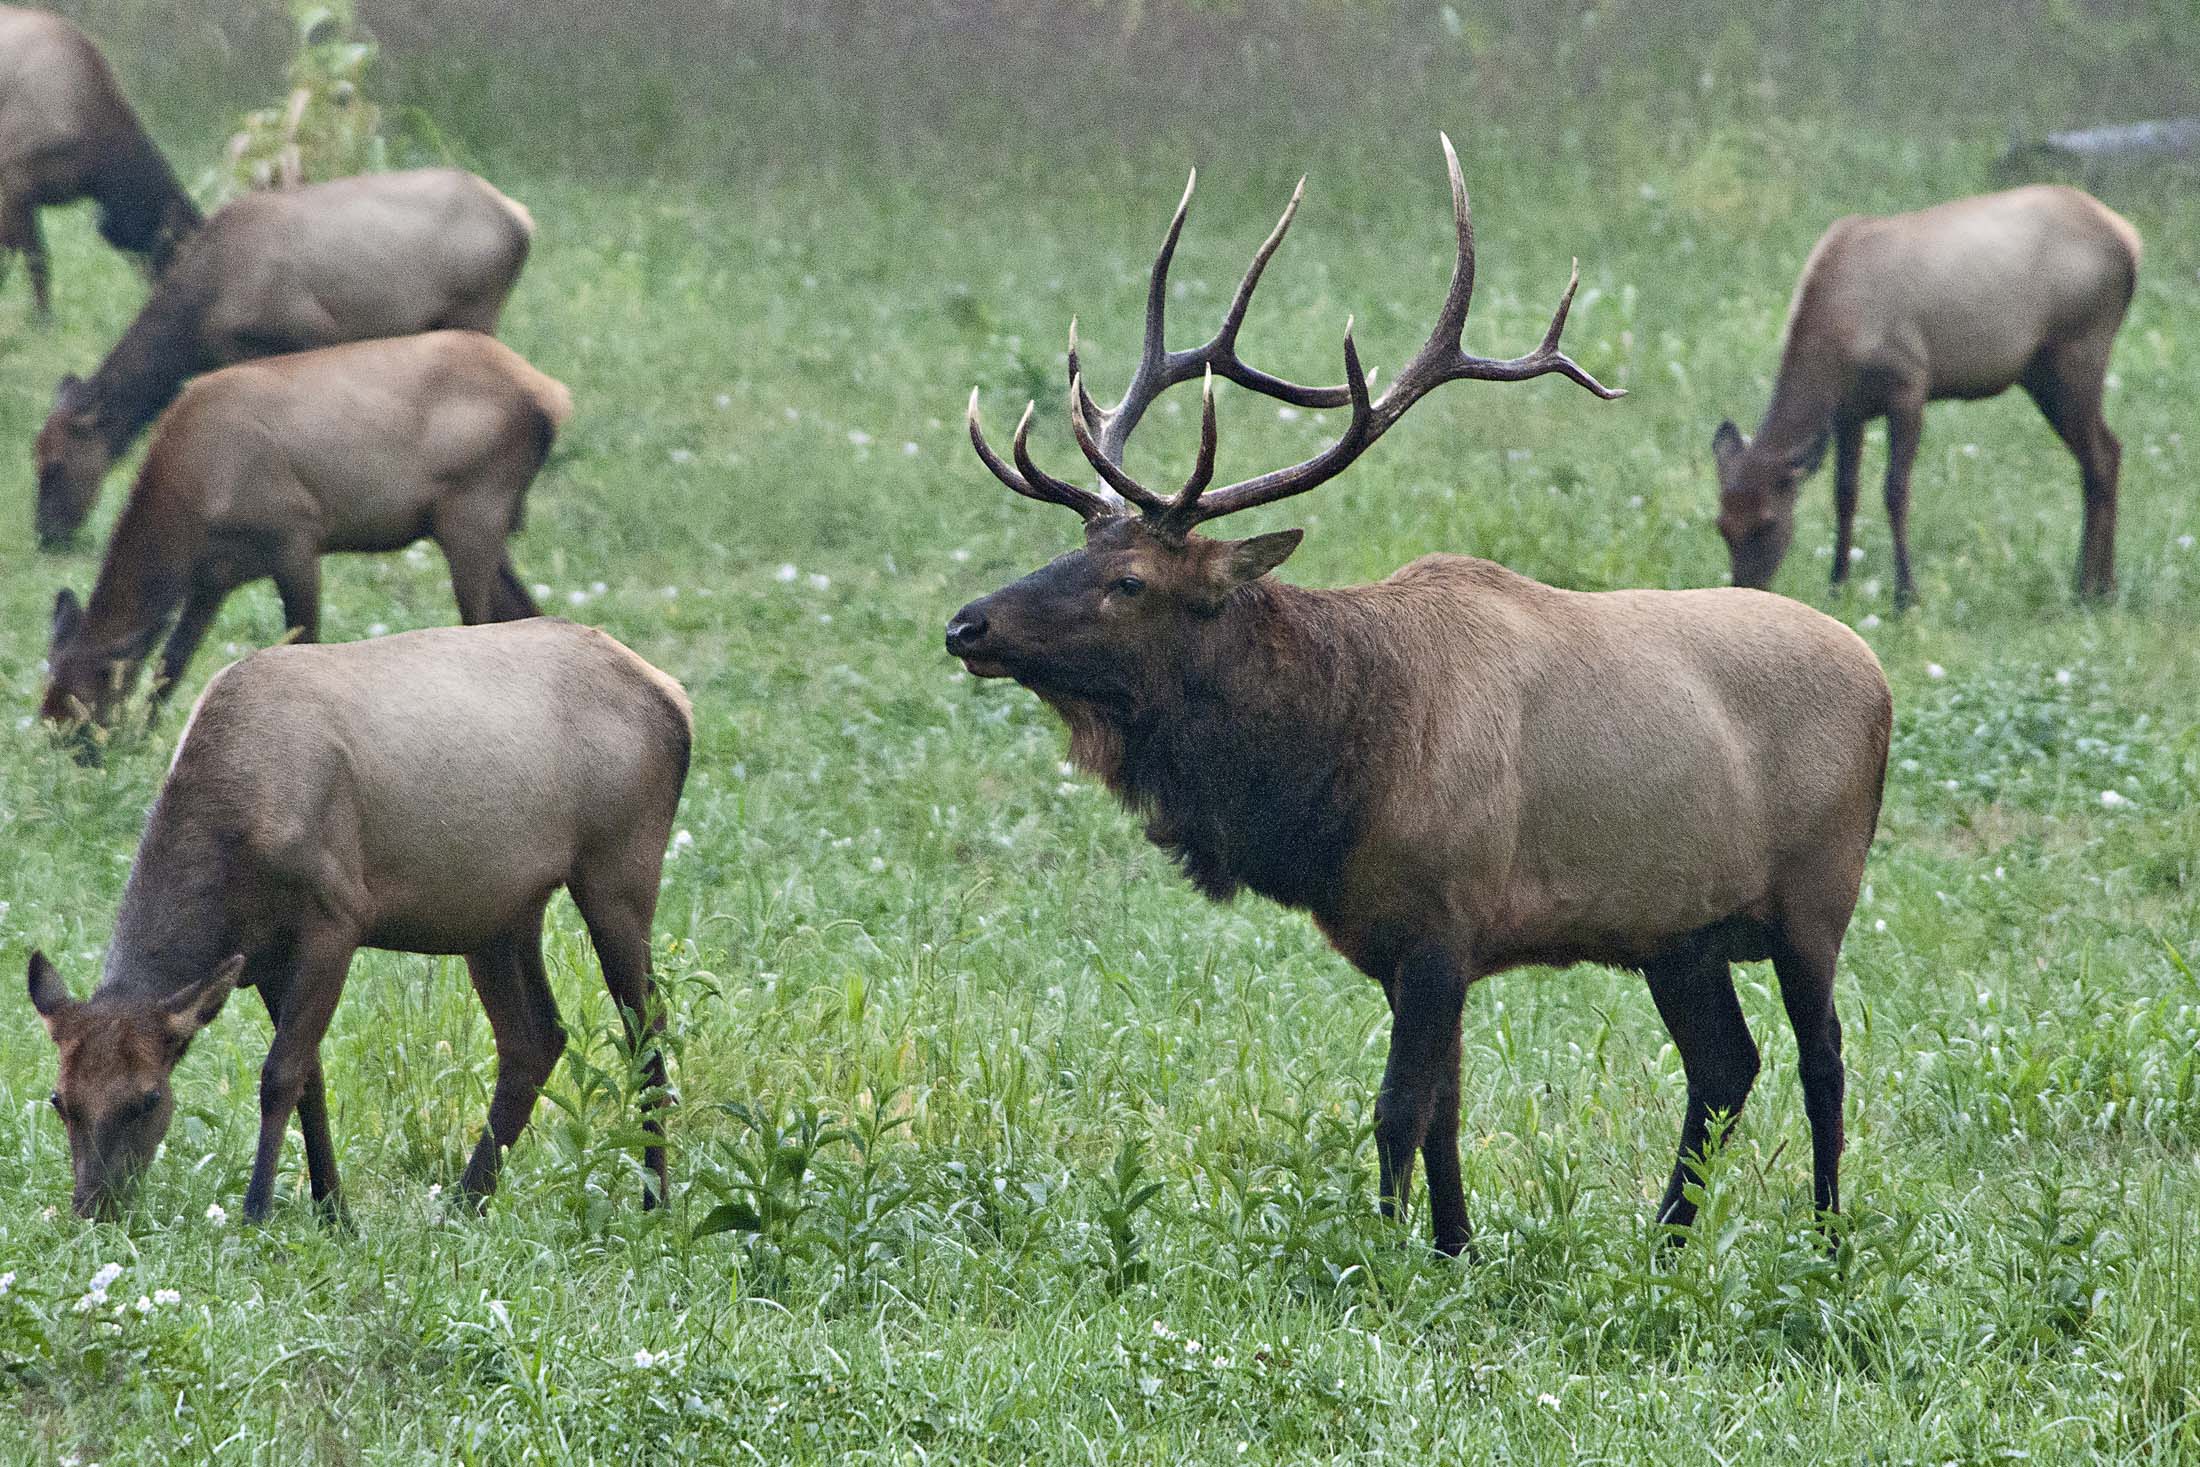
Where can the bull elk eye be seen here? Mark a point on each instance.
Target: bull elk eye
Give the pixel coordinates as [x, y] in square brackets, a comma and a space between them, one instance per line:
[1129, 585]
[145, 1104]
[54, 1100]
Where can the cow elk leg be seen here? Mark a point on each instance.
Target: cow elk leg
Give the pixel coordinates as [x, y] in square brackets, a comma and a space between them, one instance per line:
[1694, 992]
[1848, 463]
[1804, 960]
[618, 922]
[1905, 425]
[508, 975]
[2066, 384]
[293, 1066]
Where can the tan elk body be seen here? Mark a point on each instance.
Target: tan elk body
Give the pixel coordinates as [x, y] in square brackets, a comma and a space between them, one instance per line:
[388, 254]
[67, 133]
[1457, 770]
[262, 468]
[1964, 300]
[427, 792]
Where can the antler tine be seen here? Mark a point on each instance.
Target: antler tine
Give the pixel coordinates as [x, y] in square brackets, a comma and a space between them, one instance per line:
[1045, 489]
[1159, 369]
[1194, 509]
[1203, 468]
[1118, 480]
[1445, 358]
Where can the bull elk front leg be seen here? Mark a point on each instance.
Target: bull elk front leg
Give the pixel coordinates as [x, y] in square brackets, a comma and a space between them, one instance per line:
[1418, 1107]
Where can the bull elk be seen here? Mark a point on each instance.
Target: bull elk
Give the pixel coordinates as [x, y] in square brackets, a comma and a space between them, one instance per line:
[1963, 300]
[261, 468]
[1457, 770]
[424, 793]
[385, 255]
[67, 133]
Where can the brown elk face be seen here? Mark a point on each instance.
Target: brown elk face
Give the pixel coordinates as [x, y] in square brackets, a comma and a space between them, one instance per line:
[88, 676]
[1757, 494]
[116, 1057]
[1101, 623]
[72, 458]
[1112, 624]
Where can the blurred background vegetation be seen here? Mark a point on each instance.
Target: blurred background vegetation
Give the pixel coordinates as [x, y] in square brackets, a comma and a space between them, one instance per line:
[651, 86]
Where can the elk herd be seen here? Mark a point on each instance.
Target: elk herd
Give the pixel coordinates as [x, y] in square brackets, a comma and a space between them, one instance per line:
[1454, 771]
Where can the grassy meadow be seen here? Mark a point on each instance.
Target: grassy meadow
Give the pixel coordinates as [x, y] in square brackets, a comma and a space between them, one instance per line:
[996, 1142]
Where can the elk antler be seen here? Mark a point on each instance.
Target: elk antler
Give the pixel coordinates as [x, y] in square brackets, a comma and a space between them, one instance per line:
[1103, 433]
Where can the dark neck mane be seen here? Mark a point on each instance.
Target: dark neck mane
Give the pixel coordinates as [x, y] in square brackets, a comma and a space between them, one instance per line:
[174, 926]
[1249, 773]
[162, 348]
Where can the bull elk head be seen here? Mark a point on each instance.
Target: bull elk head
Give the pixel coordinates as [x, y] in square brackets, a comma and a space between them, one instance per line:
[1055, 630]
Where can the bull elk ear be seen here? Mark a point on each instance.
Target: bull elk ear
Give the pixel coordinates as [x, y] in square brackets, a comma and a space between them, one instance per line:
[1727, 443]
[1249, 560]
[194, 1008]
[49, 995]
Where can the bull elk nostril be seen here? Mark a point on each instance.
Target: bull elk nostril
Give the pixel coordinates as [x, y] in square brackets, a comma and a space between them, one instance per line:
[966, 631]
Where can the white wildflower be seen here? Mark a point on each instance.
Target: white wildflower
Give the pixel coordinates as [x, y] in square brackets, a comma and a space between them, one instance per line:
[682, 456]
[1880, 925]
[1288, 414]
[144, 1304]
[167, 1296]
[2110, 800]
[2184, 542]
[910, 450]
[541, 590]
[787, 574]
[1634, 501]
[576, 598]
[1935, 671]
[682, 840]
[958, 555]
[108, 1273]
[819, 583]
[644, 1360]
[859, 438]
[1870, 623]
[435, 1190]
[216, 1214]
[378, 629]
[1547, 1399]
[7, 1281]
[2062, 677]
[723, 401]
[1856, 553]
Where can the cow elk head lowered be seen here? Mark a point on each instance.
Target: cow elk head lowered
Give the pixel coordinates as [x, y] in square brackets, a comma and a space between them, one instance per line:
[1097, 624]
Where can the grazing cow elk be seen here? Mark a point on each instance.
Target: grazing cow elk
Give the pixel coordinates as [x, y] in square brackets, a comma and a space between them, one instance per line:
[66, 133]
[384, 255]
[1456, 770]
[1960, 300]
[424, 793]
[262, 468]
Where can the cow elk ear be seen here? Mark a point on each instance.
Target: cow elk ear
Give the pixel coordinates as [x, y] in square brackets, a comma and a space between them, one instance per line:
[49, 995]
[1727, 443]
[68, 616]
[1805, 460]
[1249, 560]
[195, 1008]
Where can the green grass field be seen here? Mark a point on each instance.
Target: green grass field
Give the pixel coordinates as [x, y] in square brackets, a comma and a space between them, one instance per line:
[1034, 1155]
